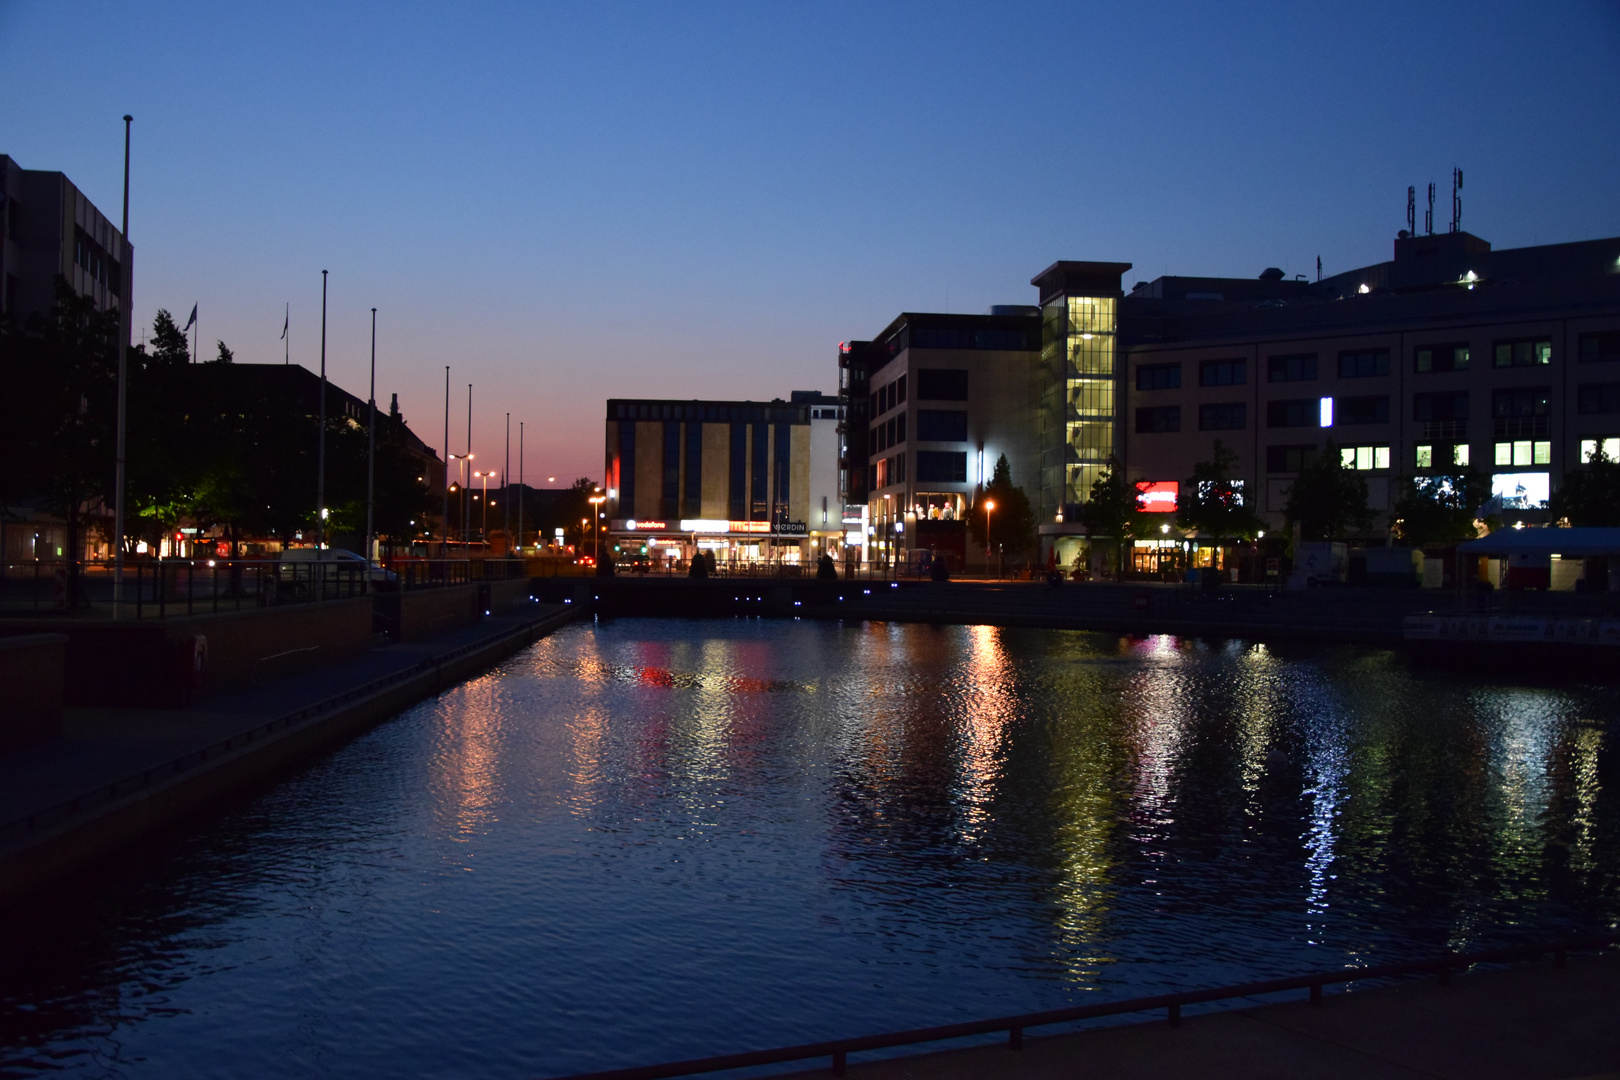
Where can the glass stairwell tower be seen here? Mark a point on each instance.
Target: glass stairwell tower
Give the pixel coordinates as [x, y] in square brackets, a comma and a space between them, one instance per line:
[1078, 391]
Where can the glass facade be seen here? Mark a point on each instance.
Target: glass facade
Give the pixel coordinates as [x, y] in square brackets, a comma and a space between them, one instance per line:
[1079, 354]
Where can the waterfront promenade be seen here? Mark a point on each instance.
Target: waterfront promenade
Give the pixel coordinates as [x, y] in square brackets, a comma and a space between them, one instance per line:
[119, 773]
[1530, 1022]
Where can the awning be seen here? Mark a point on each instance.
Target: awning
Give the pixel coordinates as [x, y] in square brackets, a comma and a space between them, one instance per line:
[1570, 543]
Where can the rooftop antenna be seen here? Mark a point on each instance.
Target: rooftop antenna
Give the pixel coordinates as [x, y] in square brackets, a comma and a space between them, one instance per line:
[1428, 215]
[1456, 199]
[1411, 210]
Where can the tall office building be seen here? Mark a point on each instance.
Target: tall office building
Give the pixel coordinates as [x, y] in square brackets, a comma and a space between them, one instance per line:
[49, 229]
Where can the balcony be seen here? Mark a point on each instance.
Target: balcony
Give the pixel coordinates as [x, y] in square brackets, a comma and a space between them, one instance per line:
[1522, 427]
[1445, 431]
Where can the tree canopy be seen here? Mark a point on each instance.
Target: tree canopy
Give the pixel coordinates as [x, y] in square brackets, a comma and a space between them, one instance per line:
[1328, 501]
[1111, 509]
[1440, 509]
[1213, 502]
[1011, 525]
[1589, 495]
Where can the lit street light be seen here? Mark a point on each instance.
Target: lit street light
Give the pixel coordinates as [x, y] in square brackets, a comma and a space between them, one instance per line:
[596, 502]
[483, 530]
[989, 505]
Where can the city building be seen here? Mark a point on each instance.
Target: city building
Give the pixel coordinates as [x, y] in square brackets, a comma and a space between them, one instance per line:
[48, 229]
[748, 481]
[1450, 354]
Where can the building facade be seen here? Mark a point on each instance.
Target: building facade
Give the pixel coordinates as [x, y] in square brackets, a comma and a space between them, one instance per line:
[736, 478]
[1451, 354]
[49, 229]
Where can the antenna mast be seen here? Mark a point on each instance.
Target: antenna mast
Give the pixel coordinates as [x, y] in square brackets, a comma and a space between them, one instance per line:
[1428, 215]
[1456, 199]
[1411, 210]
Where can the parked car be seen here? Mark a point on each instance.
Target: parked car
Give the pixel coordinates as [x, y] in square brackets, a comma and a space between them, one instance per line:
[332, 564]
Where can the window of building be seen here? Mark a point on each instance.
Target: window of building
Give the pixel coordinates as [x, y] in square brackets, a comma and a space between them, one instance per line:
[1449, 406]
[1158, 420]
[1289, 459]
[1523, 352]
[1610, 445]
[1292, 367]
[1592, 399]
[1363, 364]
[1430, 358]
[1364, 457]
[900, 390]
[942, 466]
[1287, 414]
[694, 470]
[760, 478]
[1431, 454]
[941, 384]
[951, 337]
[1524, 452]
[669, 503]
[1233, 372]
[1600, 347]
[1364, 410]
[627, 469]
[942, 425]
[1158, 377]
[1524, 401]
[1232, 416]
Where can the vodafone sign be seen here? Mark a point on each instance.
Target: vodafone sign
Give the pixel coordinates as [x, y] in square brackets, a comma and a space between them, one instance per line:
[1156, 496]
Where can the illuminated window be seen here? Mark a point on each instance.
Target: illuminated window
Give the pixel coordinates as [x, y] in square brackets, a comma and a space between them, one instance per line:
[1429, 358]
[1364, 457]
[1523, 452]
[1609, 446]
[1526, 352]
[1425, 457]
[1325, 412]
[1459, 454]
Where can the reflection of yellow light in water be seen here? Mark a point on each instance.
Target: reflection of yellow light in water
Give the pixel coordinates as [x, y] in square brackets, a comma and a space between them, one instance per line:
[464, 768]
[988, 707]
[1584, 767]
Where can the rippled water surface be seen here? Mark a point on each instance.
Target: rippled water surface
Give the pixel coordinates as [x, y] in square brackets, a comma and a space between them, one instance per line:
[648, 840]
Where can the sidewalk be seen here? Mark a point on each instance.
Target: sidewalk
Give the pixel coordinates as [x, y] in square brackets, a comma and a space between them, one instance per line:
[1534, 1022]
[118, 773]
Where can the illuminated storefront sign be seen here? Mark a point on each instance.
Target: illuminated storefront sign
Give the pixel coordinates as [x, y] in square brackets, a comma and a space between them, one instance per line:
[1156, 496]
[645, 526]
[791, 528]
[705, 525]
[749, 526]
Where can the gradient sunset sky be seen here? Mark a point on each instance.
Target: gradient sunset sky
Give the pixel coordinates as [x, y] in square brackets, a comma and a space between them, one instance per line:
[570, 202]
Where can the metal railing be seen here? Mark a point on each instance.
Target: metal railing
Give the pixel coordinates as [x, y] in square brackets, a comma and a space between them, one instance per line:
[1014, 1026]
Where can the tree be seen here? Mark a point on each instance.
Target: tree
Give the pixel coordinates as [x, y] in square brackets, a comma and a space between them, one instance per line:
[1590, 495]
[61, 379]
[1212, 500]
[1011, 525]
[1111, 510]
[1328, 501]
[1438, 510]
[225, 355]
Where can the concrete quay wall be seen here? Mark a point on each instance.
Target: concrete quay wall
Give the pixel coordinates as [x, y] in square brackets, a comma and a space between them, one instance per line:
[71, 834]
[31, 686]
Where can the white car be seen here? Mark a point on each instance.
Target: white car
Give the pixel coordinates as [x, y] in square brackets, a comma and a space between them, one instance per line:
[299, 564]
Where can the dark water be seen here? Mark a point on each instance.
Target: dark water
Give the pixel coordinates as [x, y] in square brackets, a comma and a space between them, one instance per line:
[650, 840]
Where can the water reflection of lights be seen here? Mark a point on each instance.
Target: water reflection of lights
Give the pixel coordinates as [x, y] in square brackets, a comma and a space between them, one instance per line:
[466, 764]
[1587, 741]
[982, 715]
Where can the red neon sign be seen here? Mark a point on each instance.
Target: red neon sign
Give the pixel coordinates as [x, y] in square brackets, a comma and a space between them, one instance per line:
[1156, 496]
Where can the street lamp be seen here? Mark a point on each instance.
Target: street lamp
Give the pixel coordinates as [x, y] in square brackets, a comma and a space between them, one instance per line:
[449, 487]
[483, 530]
[596, 502]
[989, 505]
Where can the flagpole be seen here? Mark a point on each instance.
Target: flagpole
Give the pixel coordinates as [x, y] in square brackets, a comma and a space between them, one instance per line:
[371, 436]
[444, 540]
[520, 488]
[123, 366]
[320, 458]
[466, 504]
[506, 481]
[286, 338]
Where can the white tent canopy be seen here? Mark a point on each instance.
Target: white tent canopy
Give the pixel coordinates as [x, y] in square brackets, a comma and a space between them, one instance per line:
[1570, 543]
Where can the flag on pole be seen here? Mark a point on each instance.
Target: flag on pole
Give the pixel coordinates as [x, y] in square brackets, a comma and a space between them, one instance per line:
[286, 322]
[191, 321]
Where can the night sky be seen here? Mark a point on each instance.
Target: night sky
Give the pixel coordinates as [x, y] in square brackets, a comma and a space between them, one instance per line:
[572, 202]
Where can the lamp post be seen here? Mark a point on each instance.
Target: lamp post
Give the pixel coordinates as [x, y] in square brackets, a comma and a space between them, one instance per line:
[596, 502]
[450, 486]
[483, 530]
[989, 505]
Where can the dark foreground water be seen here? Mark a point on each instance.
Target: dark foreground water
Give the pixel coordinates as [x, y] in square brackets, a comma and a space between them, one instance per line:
[648, 840]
